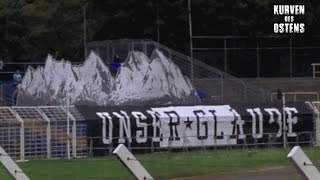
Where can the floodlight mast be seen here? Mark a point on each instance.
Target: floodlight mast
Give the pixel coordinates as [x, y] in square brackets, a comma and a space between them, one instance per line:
[68, 120]
[191, 41]
[85, 53]
[68, 127]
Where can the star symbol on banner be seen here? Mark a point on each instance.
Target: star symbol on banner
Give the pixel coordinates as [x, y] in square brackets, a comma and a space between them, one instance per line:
[188, 123]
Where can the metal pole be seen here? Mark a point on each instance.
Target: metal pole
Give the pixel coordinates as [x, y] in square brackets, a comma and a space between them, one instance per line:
[290, 56]
[68, 120]
[68, 129]
[84, 31]
[258, 61]
[191, 41]
[284, 120]
[158, 23]
[225, 54]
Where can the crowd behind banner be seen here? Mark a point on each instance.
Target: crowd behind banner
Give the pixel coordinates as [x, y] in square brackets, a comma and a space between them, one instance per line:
[195, 126]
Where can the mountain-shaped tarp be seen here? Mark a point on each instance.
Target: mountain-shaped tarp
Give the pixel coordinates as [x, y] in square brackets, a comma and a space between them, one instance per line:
[139, 80]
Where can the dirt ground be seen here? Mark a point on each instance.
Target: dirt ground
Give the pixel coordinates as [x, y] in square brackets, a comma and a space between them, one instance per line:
[270, 173]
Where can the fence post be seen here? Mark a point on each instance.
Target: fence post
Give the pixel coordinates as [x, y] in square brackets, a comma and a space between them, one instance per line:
[290, 55]
[110, 147]
[74, 138]
[191, 41]
[225, 54]
[258, 61]
[221, 89]
[152, 145]
[22, 152]
[90, 147]
[49, 140]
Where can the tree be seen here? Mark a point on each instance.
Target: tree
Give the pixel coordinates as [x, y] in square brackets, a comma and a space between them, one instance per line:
[55, 26]
[13, 43]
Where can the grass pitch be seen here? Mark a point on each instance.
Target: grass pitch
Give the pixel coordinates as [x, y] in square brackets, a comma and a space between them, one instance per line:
[160, 165]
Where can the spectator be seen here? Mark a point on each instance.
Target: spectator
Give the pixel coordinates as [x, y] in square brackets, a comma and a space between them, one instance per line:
[115, 65]
[1, 64]
[116, 59]
[17, 77]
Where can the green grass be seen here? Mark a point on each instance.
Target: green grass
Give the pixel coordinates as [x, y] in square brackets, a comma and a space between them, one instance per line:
[160, 165]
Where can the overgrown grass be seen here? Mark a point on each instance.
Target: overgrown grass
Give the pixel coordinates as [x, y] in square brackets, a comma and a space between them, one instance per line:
[160, 165]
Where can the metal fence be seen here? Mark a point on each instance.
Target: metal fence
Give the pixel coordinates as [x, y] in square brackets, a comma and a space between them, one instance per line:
[270, 140]
[259, 56]
[219, 86]
[9, 68]
[61, 132]
[42, 132]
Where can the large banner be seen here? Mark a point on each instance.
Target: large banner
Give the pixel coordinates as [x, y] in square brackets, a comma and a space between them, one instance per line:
[197, 125]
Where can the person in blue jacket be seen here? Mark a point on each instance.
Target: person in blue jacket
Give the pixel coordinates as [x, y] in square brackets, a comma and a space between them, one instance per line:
[17, 77]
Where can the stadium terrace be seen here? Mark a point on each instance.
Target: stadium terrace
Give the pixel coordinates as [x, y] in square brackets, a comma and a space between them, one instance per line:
[288, 10]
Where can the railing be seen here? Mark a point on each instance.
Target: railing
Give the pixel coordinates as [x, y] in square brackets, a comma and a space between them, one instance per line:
[95, 146]
[314, 69]
[270, 140]
[41, 132]
[291, 56]
[314, 96]
[10, 68]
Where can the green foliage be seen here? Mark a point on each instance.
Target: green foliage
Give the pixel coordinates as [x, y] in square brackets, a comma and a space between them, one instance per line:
[31, 30]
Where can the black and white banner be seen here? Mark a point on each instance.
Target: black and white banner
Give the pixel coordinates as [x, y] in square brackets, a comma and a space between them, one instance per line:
[193, 126]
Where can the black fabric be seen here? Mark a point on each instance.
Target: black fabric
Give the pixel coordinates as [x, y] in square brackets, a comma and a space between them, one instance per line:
[209, 124]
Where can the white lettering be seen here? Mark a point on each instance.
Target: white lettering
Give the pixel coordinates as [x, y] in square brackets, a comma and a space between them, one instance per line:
[254, 122]
[156, 123]
[288, 9]
[239, 125]
[276, 9]
[141, 135]
[124, 125]
[291, 120]
[271, 112]
[105, 115]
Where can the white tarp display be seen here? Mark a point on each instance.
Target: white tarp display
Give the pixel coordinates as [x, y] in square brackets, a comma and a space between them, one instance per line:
[140, 80]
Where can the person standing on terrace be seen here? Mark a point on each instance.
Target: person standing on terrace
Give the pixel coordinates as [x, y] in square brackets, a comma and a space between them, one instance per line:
[17, 77]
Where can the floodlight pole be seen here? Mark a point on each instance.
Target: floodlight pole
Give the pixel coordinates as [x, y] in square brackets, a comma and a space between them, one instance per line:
[191, 41]
[68, 127]
[158, 22]
[85, 30]
[68, 120]
[284, 120]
